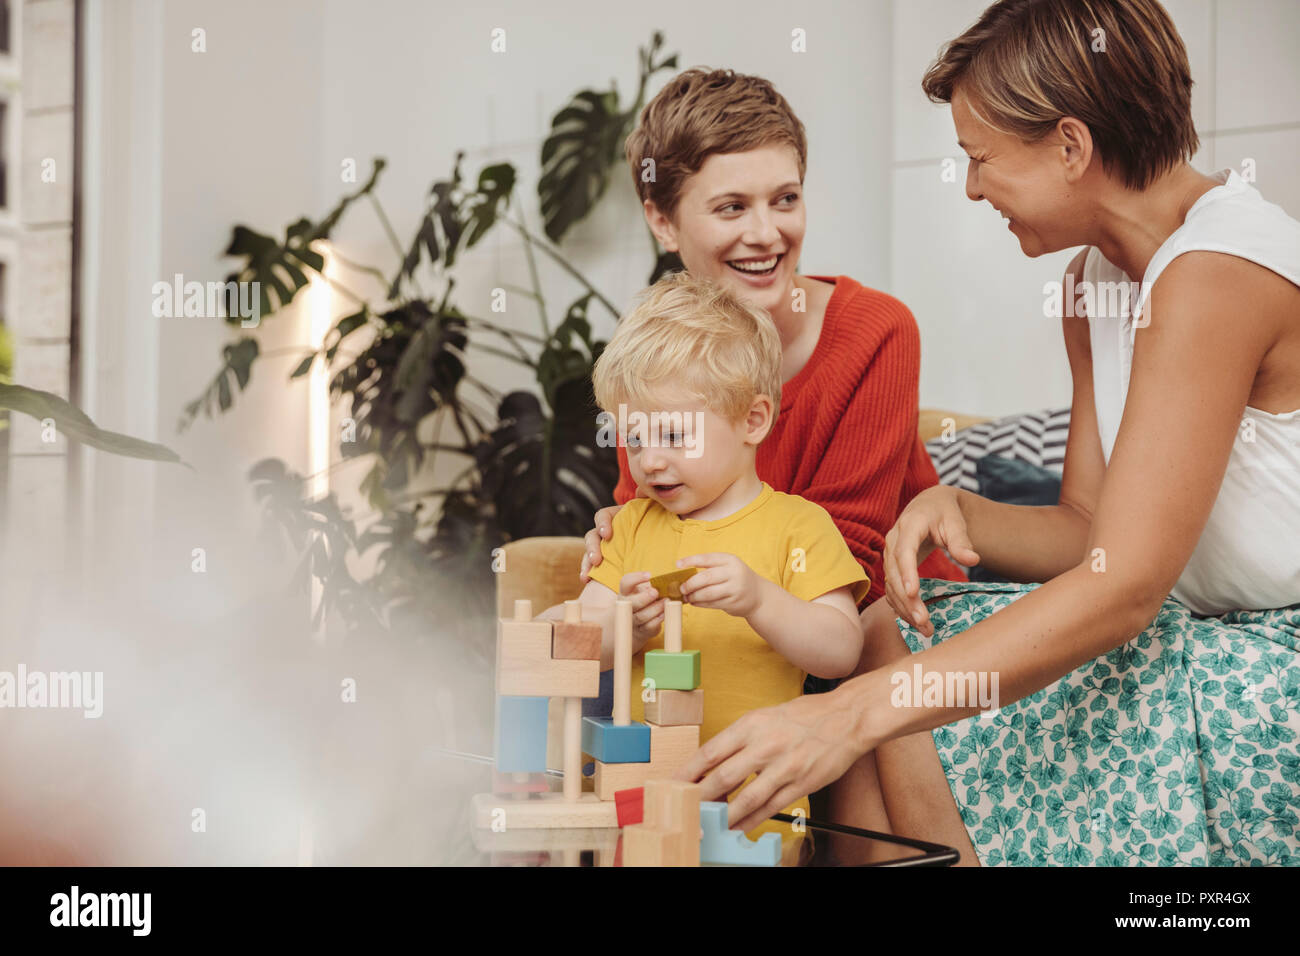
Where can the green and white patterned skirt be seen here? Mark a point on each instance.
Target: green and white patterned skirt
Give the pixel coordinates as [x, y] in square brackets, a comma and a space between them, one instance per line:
[1182, 747]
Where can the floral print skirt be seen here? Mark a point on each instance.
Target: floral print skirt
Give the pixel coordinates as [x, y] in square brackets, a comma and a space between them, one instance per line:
[1182, 747]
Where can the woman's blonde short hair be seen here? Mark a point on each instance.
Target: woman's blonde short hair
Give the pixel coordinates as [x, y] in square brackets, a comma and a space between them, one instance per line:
[1120, 67]
[690, 333]
[701, 112]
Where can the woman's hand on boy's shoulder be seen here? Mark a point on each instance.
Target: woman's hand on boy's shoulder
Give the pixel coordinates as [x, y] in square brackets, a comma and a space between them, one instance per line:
[723, 582]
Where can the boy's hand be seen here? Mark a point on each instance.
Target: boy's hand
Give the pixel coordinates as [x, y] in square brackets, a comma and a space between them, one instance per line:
[724, 582]
[647, 606]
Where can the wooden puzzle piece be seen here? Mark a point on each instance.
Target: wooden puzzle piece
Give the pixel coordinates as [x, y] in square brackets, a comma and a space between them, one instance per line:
[574, 640]
[525, 667]
[521, 734]
[543, 811]
[670, 748]
[670, 832]
[721, 845]
[610, 743]
[531, 783]
[669, 584]
[675, 707]
[673, 670]
[630, 804]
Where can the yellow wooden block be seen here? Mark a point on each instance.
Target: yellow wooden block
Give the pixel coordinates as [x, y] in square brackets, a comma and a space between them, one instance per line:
[675, 707]
[542, 811]
[669, 584]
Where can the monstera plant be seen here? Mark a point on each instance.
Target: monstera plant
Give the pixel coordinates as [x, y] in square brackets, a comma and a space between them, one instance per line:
[405, 364]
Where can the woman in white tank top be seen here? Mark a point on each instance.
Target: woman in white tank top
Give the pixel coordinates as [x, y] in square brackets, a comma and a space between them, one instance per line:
[1147, 685]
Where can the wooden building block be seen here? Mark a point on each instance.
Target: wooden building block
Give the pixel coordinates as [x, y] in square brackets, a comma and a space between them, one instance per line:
[630, 804]
[674, 707]
[673, 744]
[722, 845]
[521, 734]
[544, 811]
[576, 642]
[648, 846]
[670, 748]
[669, 584]
[525, 667]
[531, 783]
[670, 832]
[673, 671]
[573, 640]
[613, 744]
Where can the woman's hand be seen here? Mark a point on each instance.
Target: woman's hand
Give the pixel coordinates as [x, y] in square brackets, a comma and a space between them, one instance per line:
[604, 528]
[933, 519]
[796, 748]
[647, 606]
[723, 582]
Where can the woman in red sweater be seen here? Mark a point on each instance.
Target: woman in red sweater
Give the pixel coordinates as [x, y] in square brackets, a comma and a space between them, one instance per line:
[719, 161]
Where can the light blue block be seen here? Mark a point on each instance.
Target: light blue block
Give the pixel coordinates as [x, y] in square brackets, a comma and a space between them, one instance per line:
[521, 734]
[732, 847]
[611, 744]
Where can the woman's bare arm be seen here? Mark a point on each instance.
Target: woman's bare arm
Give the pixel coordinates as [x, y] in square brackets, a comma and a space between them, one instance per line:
[1193, 370]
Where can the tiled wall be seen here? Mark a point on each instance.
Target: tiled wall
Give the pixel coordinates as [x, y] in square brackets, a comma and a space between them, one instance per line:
[986, 347]
[37, 243]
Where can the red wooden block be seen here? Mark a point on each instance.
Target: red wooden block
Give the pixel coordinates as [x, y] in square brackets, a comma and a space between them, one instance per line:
[630, 805]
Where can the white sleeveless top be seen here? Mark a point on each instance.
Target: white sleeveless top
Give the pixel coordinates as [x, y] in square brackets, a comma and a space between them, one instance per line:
[1248, 556]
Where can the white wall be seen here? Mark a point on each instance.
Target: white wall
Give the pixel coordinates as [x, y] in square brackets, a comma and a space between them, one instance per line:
[985, 346]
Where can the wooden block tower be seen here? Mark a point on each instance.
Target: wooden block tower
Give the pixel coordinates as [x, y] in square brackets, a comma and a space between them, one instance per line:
[629, 754]
[537, 660]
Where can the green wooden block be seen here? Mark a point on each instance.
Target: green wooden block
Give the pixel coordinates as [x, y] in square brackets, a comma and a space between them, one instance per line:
[673, 671]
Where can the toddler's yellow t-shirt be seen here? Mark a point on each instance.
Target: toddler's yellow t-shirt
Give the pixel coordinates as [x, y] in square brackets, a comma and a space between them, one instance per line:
[789, 540]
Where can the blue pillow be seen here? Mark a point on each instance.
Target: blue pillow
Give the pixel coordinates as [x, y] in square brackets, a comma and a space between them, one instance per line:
[1015, 482]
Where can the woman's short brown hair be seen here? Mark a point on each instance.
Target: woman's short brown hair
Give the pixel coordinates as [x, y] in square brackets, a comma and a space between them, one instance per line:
[1120, 67]
[701, 112]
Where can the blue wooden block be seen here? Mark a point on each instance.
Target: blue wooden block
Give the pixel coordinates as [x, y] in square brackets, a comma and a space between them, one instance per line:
[610, 744]
[732, 847]
[521, 734]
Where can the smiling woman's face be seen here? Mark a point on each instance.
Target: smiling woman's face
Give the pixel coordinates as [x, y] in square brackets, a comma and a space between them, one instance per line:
[1025, 182]
[740, 209]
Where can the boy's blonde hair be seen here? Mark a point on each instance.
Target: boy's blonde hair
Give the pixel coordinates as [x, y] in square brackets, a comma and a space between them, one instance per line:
[701, 112]
[691, 333]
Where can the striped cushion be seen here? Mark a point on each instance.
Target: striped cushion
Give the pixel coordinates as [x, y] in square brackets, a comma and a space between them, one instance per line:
[1035, 437]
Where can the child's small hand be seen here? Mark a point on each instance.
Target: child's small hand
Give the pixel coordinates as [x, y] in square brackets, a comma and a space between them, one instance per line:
[724, 582]
[647, 606]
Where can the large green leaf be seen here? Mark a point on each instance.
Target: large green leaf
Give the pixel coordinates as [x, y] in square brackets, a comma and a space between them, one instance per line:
[280, 268]
[237, 368]
[585, 142]
[73, 423]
